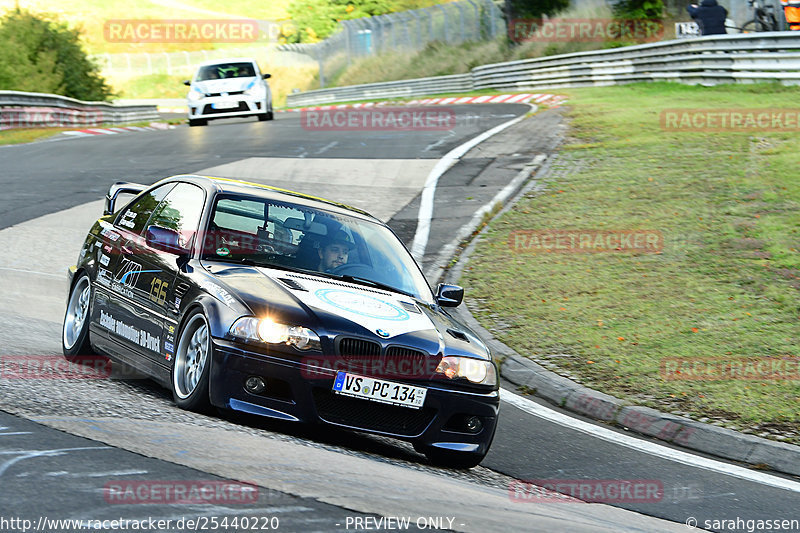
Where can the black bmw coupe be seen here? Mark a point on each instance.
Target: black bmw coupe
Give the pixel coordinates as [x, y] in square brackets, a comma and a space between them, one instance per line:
[260, 300]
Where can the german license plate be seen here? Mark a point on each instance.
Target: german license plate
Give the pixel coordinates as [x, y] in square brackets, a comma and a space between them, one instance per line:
[379, 390]
[225, 105]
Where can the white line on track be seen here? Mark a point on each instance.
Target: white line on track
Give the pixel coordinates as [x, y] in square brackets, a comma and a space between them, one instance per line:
[644, 446]
[426, 201]
[48, 274]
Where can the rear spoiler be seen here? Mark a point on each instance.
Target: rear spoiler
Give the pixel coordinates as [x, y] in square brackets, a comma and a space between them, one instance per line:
[118, 188]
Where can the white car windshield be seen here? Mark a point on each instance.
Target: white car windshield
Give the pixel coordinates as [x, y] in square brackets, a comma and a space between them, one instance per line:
[224, 71]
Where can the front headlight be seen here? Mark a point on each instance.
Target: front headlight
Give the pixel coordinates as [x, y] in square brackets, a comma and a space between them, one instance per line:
[475, 370]
[194, 94]
[271, 332]
[255, 89]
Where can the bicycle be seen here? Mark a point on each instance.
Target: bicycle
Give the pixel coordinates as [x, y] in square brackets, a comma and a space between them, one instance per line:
[764, 18]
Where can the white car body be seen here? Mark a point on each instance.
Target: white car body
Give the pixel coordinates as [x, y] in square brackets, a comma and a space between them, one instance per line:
[225, 88]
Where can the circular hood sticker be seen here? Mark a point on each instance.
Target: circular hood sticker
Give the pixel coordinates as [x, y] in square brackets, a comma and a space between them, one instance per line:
[361, 304]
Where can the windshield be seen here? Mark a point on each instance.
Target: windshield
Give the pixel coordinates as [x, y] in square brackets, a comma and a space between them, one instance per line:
[223, 71]
[284, 235]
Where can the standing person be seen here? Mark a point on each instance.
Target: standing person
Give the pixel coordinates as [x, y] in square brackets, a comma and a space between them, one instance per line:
[710, 16]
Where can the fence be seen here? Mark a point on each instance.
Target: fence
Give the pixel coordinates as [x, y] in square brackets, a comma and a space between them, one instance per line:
[405, 31]
[742, 58]
[185, 63]
[26, 110]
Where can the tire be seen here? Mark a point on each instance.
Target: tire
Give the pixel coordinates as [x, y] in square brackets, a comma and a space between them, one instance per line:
[190, 370]
[198, 122]
[75, 330]
[750, 26]
[449, 458]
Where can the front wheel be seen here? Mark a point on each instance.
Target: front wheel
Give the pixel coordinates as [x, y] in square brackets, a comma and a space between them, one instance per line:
[197, 122]
[192, 364]
[75, 332]
[756, 26]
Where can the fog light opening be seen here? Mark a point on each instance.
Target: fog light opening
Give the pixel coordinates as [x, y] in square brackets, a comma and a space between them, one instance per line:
[255, 385]
[474, 424]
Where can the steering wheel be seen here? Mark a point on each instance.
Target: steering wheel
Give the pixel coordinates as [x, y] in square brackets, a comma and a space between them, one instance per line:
[358, 270]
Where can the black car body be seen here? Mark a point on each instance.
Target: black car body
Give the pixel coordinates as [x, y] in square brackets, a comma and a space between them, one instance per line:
[217, 289]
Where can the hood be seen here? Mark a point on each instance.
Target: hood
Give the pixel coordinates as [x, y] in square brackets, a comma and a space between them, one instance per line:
[333, 308]
[709, 3]
[225, 85]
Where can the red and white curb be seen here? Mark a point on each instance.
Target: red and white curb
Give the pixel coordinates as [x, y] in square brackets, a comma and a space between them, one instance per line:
[550, 100]
[114, 131]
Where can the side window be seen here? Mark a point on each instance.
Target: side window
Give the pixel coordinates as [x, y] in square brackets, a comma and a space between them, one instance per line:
[136, 215]
[180, 210]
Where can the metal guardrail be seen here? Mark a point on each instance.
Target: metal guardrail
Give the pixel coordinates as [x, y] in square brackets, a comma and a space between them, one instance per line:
[26, 110]
[740, 58]
[389, 89]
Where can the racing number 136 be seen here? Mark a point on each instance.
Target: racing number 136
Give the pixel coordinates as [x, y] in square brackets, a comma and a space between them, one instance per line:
[158, 290]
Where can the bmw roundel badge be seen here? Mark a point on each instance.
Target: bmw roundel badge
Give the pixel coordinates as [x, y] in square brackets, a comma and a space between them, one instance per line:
[382, 332]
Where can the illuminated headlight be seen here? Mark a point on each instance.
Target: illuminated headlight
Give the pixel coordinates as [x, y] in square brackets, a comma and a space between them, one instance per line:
[271, 332]
[475, 370]
[195, 94]
[254, 90]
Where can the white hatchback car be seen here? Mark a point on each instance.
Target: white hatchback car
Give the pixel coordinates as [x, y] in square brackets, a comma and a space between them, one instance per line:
[226, 88]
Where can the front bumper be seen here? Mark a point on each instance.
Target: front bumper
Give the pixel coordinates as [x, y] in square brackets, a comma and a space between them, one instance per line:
[212, 107]
[299, 392]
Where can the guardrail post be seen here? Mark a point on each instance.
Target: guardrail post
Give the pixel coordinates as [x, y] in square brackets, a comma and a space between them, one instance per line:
[444, 23]
[460, 8]
[477, 20]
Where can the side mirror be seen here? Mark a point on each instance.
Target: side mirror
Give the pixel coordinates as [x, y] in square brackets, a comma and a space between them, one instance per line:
[449, 295]
[164, 239]
[187, 82]
[267, 76]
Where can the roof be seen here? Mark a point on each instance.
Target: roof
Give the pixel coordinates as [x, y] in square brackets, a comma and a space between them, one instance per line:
[233, 186]
[227, 60]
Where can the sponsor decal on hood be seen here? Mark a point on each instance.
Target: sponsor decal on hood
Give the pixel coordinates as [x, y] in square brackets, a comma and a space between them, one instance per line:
[380, 312]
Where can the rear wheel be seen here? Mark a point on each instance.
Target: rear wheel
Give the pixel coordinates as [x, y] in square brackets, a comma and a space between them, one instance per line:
[75, 332]
[749, 26]
[192, 364]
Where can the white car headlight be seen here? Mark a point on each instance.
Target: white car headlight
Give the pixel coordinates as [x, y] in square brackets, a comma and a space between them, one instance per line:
[255, 89]
[195, 94]
[271, 332]
[475, 370]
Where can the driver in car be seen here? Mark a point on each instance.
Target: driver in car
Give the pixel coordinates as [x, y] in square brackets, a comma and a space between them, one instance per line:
[334, 252]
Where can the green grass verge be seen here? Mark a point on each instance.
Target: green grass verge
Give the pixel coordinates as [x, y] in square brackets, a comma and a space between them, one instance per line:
[20, 136]
[26, 135]
[725, 285]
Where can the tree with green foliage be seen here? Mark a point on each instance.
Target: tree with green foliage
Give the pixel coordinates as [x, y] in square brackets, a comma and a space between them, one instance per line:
[315, 20]
[39, 54]
[536, 8]
[639, 9]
